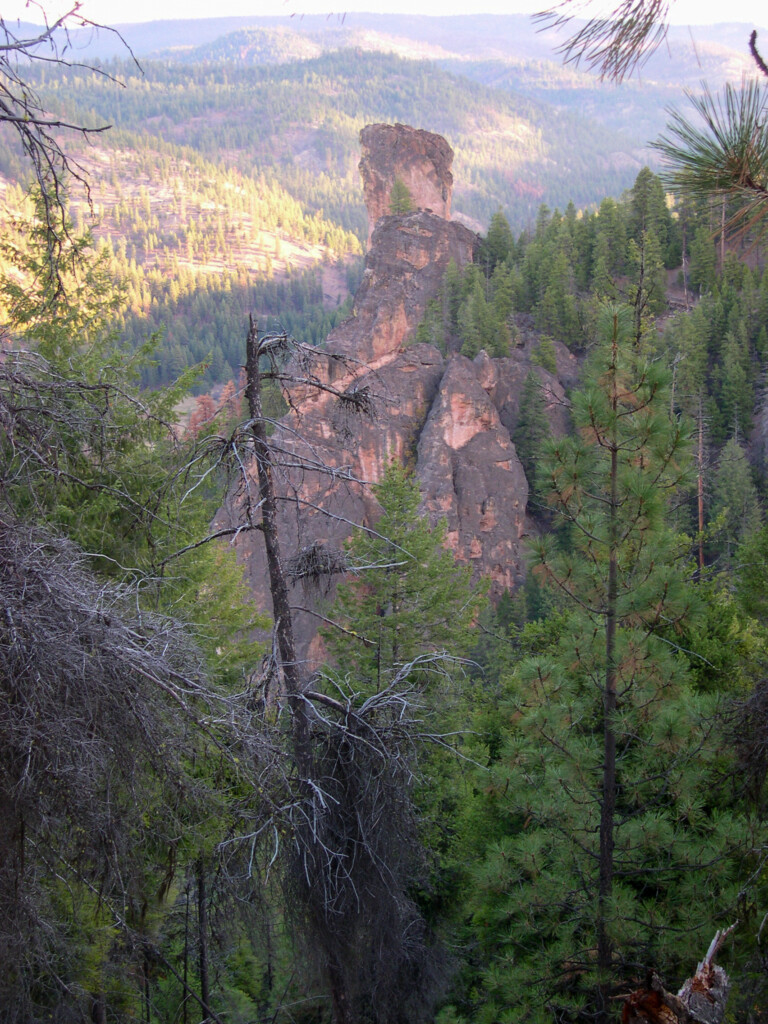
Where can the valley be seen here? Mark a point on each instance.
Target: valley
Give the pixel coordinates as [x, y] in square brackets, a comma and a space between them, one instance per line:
[382, 535]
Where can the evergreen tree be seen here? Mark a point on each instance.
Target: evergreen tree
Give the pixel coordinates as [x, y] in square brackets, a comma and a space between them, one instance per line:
[647, 288]
[611, 238]
[498, 246]
[703, 267]
[408, 597]
[119, 689]
[733, 390]
[530, 434]
[603, 791]
[400, 199]
[648, 211]
[735, 509]
[558, 314]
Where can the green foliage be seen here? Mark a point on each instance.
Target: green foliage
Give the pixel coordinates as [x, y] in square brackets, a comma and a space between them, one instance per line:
[530, 436]
[482, 325]
[649, 213]
[471, 313]
[735, 507]
[400, 199]
[545, 909]
[545, 354]
[91, 458]
[721, 153]
[647, 290]
[243, 115]
[703, 267]
[408, 596]
[557, 313]
[498, 246]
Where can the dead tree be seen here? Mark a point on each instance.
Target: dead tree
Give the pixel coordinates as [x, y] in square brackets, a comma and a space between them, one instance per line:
[701, 1000]
[37, 129]
[95, 699]
[341, 792]
[104, 705]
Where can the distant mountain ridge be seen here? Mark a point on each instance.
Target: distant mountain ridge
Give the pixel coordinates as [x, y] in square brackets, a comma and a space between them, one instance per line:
[504, 52]
[471, 37]
[299, 122]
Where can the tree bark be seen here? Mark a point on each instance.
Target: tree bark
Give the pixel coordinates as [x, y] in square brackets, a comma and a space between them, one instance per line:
[701, 1000]
[341, 1009]
[202, 929]
[277, 584]
[99, 1009]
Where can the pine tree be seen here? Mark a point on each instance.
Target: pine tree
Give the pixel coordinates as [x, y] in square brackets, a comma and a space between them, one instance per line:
[703, 272]
[498, 246]
[400, 199]
[531, 433]
[558, 312]
[735, 506]
[648, 209]
[408, 597]
[604, 788]
[647, 290]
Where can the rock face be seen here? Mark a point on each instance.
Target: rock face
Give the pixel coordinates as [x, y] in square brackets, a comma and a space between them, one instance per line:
[404, 268]
[453, 418]
[470, 475]
[420, 159]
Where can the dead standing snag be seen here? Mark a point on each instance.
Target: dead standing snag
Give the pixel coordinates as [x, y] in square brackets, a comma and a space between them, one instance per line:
[701, 1000]
[342, 791]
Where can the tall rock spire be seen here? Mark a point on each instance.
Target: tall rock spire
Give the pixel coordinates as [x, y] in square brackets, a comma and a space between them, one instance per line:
[420, 160]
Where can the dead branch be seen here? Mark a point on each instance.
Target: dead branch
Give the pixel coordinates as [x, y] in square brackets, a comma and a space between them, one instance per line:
[36, 128]
[701, 1000]
[755, 53]
[94, 696]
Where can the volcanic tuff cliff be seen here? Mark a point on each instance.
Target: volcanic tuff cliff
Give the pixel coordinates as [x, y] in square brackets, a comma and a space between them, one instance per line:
[451, 417]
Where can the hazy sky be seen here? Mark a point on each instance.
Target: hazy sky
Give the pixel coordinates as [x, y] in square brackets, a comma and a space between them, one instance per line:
[111, 12]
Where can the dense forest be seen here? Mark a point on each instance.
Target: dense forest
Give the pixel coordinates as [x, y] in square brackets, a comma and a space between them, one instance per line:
[473, 811]
[226, 187]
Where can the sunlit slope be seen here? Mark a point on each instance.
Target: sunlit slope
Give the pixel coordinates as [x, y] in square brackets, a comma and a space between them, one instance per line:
[297, 124]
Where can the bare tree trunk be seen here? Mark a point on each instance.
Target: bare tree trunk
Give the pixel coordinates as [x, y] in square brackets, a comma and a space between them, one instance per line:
[202, 930]
[700, 482]
[722, 236]
[186, 955]
[277, 584]
[145, 986]
[341, 1009]
[99, 1009]
[701, 1000]
[685, 268]
[302, 750]
[608, 800]
[639, 302]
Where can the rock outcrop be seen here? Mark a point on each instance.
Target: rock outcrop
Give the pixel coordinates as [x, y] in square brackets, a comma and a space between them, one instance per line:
[404, 268]
[420, 160]
[470, 475]
[452, 418]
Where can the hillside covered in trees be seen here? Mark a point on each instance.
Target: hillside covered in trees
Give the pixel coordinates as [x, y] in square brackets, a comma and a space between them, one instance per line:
[232, 157]
[515, 770]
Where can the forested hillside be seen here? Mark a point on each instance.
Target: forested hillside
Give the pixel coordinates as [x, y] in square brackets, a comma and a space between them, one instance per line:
[457, 802]
[298, 123]
[235, 160]
[220, 178]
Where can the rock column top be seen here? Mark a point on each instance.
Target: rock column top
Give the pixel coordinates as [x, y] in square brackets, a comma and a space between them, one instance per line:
[421, 160]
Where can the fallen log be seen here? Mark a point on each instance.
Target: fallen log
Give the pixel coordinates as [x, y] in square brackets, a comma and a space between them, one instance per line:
[701, 1000]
